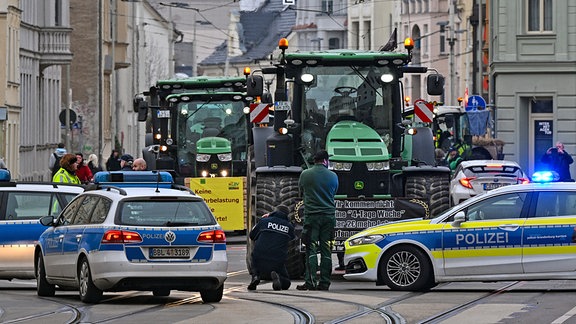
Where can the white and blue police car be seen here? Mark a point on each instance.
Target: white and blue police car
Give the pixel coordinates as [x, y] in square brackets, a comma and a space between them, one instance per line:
[21, 206]
[516, 232]
[133, 230]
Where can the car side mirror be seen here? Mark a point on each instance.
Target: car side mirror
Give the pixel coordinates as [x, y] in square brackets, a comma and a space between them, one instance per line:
[459, 218]
[47, 220]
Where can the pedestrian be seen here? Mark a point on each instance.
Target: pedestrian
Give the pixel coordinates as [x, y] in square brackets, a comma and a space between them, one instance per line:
[126, 161]
[271, 236]
[318, 186]
[453, 159]
[139, 165]
[54, 161]
[93, 164]
[559, 161]
[83, 172]
[113, 162]
[67, 171]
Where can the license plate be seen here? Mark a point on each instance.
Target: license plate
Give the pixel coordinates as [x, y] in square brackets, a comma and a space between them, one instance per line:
[163, 113]
[172, 253]
[490, 186]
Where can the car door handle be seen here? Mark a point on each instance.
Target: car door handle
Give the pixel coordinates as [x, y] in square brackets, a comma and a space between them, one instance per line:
[61, 238]
[509, 227]
[78, 237]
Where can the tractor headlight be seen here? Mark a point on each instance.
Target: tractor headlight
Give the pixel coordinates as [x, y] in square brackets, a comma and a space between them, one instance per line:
[339, 166]
[368, 239]
[378, 166]
[223, 157]
[202, 157]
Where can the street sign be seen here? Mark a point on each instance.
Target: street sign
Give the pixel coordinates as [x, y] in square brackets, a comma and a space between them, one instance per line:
[259, 113]
[423, 111]
[476, 103]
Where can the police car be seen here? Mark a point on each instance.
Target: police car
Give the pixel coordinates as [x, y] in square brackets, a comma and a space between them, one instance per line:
[21, 206]
[134, 230]
[516, 232]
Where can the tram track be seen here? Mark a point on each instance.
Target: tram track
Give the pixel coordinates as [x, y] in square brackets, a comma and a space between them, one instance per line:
[356, 305]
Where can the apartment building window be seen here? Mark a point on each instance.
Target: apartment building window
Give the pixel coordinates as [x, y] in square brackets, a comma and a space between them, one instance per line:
[405, 7]
[334, 43]
[424, 38]
[539, 15]
[426, 6]
[542, 105]
[327, 7]
[57, 12]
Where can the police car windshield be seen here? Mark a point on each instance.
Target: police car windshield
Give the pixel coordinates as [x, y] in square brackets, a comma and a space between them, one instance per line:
[165, 213]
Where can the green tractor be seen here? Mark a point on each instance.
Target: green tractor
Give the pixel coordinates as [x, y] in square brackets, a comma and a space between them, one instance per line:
[197, 126]
[349, 103]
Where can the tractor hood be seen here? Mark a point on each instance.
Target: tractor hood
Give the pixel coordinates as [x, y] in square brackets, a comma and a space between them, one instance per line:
[354, 141]
[213, 145]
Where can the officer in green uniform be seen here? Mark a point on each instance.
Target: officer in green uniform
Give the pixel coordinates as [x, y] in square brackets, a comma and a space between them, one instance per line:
[67, 171]
[318, 186]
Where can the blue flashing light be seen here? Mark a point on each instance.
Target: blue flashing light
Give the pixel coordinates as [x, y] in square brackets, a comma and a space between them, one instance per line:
[545, 176]
[133, 178]
[4, 175]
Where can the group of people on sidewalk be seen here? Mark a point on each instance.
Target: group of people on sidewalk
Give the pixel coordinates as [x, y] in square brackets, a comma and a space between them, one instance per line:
[72, 168]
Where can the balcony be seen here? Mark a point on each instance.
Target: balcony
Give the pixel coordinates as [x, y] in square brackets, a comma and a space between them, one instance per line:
[54, 46]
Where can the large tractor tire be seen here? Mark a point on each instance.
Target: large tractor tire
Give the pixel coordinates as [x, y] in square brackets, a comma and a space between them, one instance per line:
[272, 190]
[434, 188]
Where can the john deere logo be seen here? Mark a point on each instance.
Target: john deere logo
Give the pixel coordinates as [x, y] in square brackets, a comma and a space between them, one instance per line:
[358, 185]
[214, 166]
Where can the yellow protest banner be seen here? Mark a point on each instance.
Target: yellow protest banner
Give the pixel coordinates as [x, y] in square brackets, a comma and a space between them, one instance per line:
[225, 197]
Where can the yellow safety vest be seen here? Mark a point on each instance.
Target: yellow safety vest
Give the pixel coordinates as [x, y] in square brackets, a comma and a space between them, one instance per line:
[63, 176]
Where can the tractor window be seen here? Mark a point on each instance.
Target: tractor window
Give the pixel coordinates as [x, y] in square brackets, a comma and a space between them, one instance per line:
[198, 119]
[342, 93]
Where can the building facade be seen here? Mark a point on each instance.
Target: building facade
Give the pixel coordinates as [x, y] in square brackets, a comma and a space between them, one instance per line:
[37, 47]
[533, 77]
[10, 17]
[119, 53]
[443, 38]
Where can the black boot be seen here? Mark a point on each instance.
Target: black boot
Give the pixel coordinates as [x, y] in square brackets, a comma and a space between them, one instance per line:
[255, 281]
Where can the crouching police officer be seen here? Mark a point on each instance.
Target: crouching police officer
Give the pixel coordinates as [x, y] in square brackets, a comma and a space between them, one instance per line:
[271, 236]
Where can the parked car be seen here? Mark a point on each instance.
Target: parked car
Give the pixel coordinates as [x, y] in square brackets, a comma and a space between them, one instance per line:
[516, 232]
[474, 177]
[135, 231]
[21, 206]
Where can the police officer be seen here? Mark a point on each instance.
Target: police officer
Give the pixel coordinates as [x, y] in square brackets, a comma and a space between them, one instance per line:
[319, 186]
[67, 171]
[271, 236]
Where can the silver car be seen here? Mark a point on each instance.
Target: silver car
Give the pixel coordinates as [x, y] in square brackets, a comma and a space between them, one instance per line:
[157, 238]
[474, 177]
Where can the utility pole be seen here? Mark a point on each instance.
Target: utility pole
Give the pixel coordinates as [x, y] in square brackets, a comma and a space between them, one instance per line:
[194, 63]
[451, 42]
[480, 33]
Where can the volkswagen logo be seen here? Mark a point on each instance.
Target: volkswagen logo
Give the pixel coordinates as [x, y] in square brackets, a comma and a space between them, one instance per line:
[170, 237]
